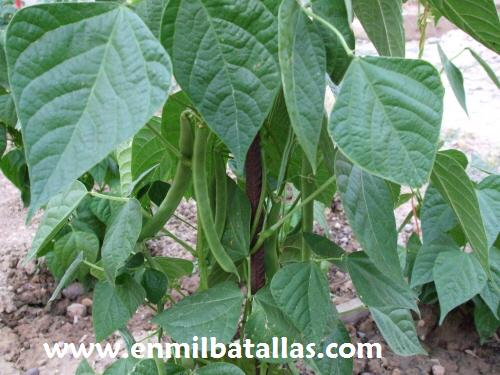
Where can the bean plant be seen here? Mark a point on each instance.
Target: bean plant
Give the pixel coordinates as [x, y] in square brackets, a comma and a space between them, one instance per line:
[113, 113]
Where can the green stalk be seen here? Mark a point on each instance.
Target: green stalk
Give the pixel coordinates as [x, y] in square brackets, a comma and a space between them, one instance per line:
[220, 193]
[179, 185]
[271, 260]
[202, 196]
[307, 188]
[202, 258]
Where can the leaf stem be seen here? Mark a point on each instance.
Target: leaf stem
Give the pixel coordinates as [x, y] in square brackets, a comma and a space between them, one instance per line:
[183, 243]
[165, 141]
[109, 197]
[92, 265]
[332, 28]
[307, 187]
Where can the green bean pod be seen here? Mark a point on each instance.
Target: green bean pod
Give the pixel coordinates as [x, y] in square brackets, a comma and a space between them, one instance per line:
[220, 194]
[202, 196]
[180, 183]
[307, 188]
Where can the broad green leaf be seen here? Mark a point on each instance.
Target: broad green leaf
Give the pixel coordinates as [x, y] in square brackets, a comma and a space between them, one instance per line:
[458, 277]
[323, 247]
[155, 284]
[334, 366]
[13, 166]
[113, 306]
[121, 237]
[489, 71]
[398, 329]
[174, 268]
[225, 58]
[219, 369]
[68, 276]
[449, 177]
[387, 117]
[302, 60]
[377, 289]
[478, 18]
[85, 78]
[121, 366]
[486, 323]
[236, 235]
[67, 248]
[436, 215]
[336, 13]
[488, 195]
[491, 292]
[301, 291]
[455, 78]
[144, 367]
[8, 113]
[426, 257]
[56, 214]
[368, 204]
[214, 312]
[84, 368]
[267, 320]
[383, 22]
[124, 159]
[150, 12]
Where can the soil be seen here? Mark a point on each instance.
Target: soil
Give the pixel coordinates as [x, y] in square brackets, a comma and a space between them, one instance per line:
[26, 321]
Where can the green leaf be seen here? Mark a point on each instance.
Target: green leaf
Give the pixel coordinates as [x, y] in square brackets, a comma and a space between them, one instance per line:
[121, 236]
[174, 268]
[155, 284]
[458, 277]
[214, 312]
[486, 67]
[56, 214]
[387, 117]
[86, 79]
[113, 306]
[398, 329]
[335, 12]
[236, 235]
[488, 195]
[68, 276]
[219, 369]
[368, 204]
[124, 159]
[486, 323]
[84, 368]
[267, 320]
[8, 113]
[478, 18]
[334, 366]
[13, 166]
[491, 292]
[234, 85]
[150, 12]
[426, 257]
[66, 250]
[302, 60]
[323, 247]
[121, 367]
[436, 215]
[449, 177]
[144, 367]
[377, 289]
[383, 22]
[301, 291]
[455, 78]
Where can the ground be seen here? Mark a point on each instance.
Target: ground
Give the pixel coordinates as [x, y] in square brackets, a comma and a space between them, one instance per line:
[26, 322]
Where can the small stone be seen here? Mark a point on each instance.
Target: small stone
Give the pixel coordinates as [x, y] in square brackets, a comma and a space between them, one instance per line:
[87, 302]
[396, 371]
[438, 370]
[32, 371]
[30, 268]
[73, 291]
[76, 311]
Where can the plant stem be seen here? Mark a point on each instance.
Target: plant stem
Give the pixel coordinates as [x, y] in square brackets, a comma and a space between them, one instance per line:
[183, 243]
[271, 259]
[109, 197]
[307, 187]
[268, 232]
[179, 185]
[92, 265]
[332, 28]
